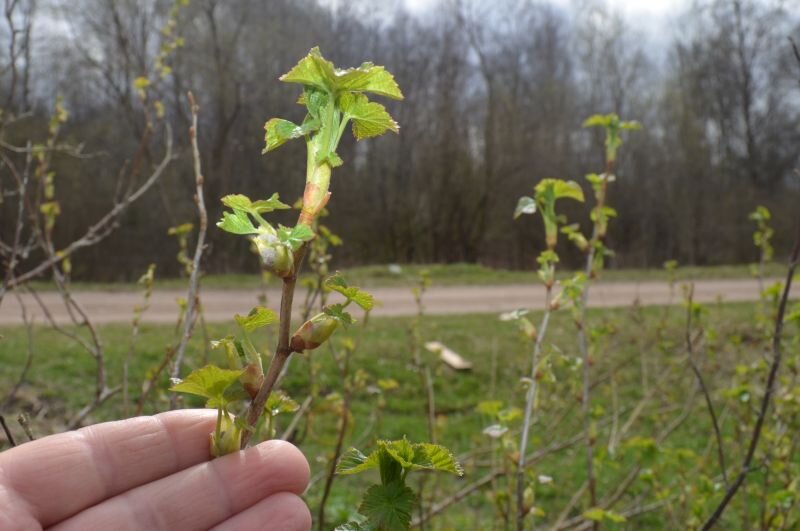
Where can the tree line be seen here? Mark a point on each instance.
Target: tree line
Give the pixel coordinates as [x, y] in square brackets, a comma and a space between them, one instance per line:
[495, 94]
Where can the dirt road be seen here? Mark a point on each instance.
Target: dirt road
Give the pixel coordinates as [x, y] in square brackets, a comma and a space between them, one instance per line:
[221, 305]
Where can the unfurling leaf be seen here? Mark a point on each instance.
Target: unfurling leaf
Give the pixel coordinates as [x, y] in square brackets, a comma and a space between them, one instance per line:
[279, 131]
[210, 382]
[316, 71]
[243, 203]
[339, 284]
[525, 205]
[337, 311]
[276, 256]
[353, 462]
[369, 118]
[296, 236]
[236, 222]
[428, 456]
[258, 317]
[279, 402]
[559, 188]
[268, 205]
[230, 436]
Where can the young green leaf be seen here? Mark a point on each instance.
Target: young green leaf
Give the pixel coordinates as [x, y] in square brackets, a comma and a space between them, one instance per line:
[313, 69]
[233, 353]
[268, 205]
[235, 393]
[339, 284]
[401, 451]
[279, 131]
[338, 312]
[575, 236]
[369, 78]
[598, 515]
[318, 72]
[258, 317]
[369, 118]
[598, 120]
[243, 203]
[333, 159]
[180, 230]
[315, 100]
[389, 507]
[229, 437]
[430, 456]
[237, 202]
[525, 205]
[236, 222]
[294, 237]
[279, 402]
[560, 189]
[209, 382]
[421, 456]
[354, 462]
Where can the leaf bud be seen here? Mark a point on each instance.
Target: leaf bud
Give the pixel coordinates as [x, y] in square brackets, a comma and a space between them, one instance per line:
[230, 436]
[275, 256]
[252, 378]
[314, 332]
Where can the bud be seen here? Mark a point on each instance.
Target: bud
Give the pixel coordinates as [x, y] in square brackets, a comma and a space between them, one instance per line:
[527, 499]
[314, 332]
[230, 437]
[252, 378]
[276, 257]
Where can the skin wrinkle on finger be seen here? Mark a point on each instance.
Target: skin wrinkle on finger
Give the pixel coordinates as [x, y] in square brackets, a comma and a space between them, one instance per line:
[217, 490]
[54, 480]
[68, 456]
[99, 459]
[19, 517]
[283, 511]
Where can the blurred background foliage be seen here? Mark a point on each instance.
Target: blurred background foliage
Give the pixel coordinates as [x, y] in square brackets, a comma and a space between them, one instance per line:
[495, 96]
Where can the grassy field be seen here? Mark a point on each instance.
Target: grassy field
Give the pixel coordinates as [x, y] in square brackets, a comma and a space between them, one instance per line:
[634, 370]
[442, 275]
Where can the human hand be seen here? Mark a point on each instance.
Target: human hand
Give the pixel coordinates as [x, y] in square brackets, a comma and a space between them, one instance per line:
[151, 473]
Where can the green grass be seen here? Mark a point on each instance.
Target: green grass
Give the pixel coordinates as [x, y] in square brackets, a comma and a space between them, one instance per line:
[441, 274]
[62, 380]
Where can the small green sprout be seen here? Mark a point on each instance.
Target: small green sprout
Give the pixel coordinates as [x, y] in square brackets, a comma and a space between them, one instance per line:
[388, 506]
[763, 235]
[333, 98]
[613, 126]
[225, 388]
[546, 193]
[319, 328]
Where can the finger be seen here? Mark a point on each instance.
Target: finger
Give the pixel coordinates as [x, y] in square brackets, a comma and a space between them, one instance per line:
[53, 478]
[203, 495]
[280, 512]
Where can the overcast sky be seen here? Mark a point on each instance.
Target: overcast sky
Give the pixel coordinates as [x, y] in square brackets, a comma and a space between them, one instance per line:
[650, 8]
[653, 16]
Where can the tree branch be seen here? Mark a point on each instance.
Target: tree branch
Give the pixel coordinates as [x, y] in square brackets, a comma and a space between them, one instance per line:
[769, 390]
[701, 382]
[192, 299]
[103, 227]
